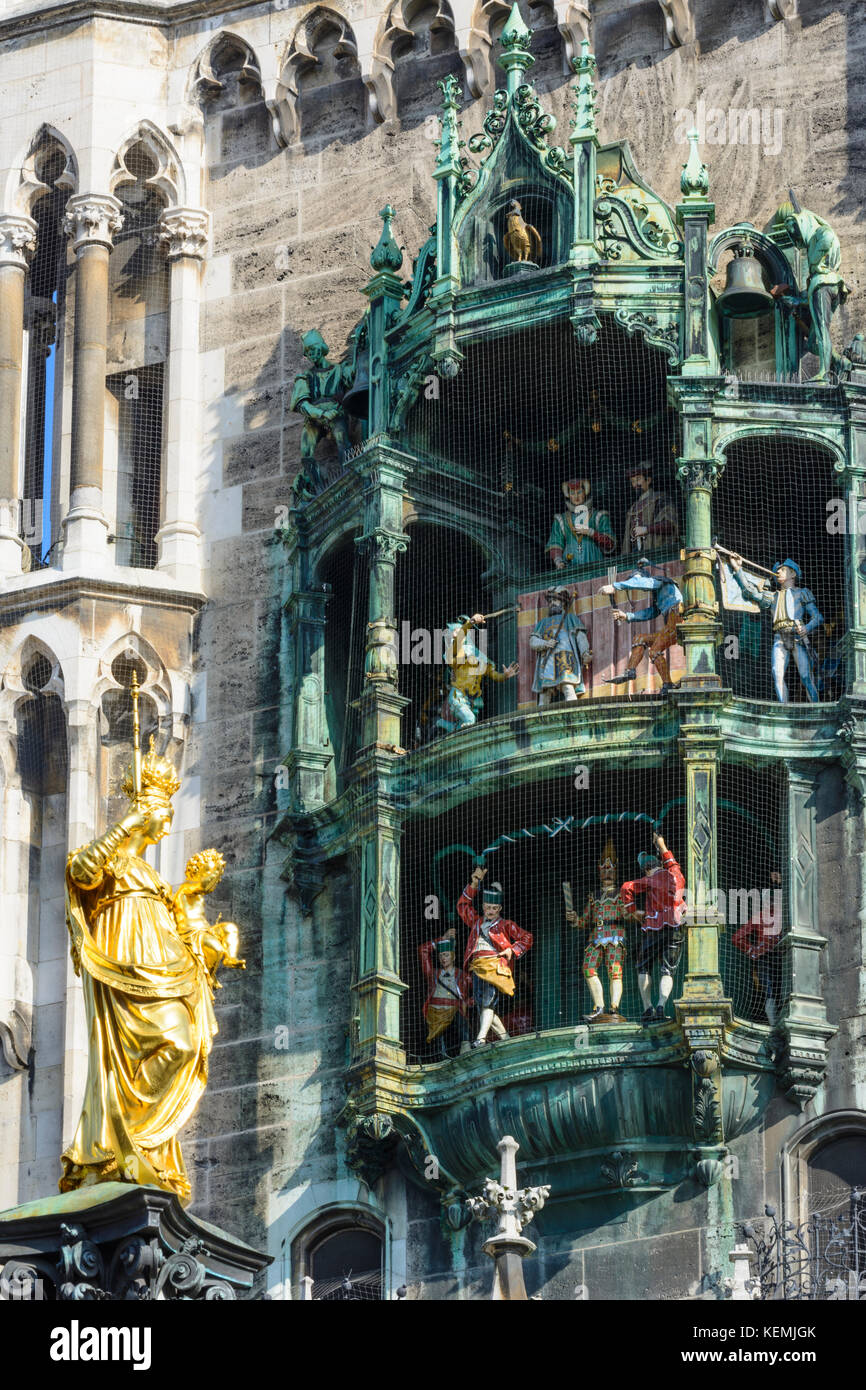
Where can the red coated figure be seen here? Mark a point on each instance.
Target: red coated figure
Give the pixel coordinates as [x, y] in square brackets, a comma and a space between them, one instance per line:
[664, 908]
[493, 944]
[758, 939]
[449, 989]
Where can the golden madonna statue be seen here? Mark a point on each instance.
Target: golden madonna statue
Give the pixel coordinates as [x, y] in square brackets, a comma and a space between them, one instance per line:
[147, 958]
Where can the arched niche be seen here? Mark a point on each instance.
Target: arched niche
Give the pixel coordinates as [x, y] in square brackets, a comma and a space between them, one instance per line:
[789, 478]
[442, 573]
[512, 171]
[326, 715]
[321, 81]
[417, 49]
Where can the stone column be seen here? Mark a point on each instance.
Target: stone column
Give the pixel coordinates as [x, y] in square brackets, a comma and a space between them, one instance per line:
[184, 232]
[17, 243]
[379, 986]
[91, 220]
[802, 1060]
[700, 631]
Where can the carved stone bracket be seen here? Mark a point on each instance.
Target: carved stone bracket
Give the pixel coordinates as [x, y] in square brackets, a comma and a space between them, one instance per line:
[706, 1109]
[620, 1170]
[665, 336]
[184, 232]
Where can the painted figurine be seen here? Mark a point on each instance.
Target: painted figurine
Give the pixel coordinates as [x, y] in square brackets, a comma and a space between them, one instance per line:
[317, 396]
[662, 884]
[467, 667]
[522, 242]
[795, 616]
[493, 944]
[603, 917]
[562, 648]
[449, 990]
[582, 534]
[666, 603]
[825, 289]
[759, 940]
[651, 520]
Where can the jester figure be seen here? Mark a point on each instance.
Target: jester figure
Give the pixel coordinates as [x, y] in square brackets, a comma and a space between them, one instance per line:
[666, 602]
[603, 917]
[467, 669]
[562, 649]
[494, 944]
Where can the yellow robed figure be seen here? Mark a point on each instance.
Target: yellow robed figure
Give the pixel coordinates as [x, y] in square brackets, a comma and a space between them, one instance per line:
[147, 959]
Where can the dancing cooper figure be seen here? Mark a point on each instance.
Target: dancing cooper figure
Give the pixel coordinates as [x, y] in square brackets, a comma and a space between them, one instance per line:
[147, 967]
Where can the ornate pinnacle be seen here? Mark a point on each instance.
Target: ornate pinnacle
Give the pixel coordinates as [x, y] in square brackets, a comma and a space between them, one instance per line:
[516, 41]
[386, 254]
[585, 103]
[695, 180]
[450, 145]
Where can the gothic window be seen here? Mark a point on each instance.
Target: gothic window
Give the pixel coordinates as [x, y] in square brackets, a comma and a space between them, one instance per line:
[137, 354]
[50, 169]
[835, 1169]
[342, 1256]
[42, 755]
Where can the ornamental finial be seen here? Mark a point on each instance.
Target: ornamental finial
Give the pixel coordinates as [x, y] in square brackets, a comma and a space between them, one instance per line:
[450, 144]
[386, 254]
[695, 180]
[516, 42]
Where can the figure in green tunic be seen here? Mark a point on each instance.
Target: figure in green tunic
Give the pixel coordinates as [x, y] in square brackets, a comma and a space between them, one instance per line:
[582, 534]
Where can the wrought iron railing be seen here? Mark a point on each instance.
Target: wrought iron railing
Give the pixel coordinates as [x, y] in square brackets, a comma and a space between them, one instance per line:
[822, 1259]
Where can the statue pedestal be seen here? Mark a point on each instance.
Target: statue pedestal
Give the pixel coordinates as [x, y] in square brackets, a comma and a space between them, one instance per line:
[121, 1242]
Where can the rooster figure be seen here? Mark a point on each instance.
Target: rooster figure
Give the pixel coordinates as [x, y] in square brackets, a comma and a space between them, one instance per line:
[522, 242]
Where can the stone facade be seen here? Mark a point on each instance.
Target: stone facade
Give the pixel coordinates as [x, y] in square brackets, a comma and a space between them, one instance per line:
[278, 131]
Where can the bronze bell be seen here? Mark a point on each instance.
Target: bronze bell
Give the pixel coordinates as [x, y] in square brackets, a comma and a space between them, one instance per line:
[745, 295]
[357, 399]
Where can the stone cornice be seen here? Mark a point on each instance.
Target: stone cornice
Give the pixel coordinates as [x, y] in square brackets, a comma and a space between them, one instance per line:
[138, 586]
[38, 18]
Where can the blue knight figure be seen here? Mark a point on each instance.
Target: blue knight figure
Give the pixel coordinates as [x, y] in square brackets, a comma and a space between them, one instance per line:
[795, 616]
[562, 649]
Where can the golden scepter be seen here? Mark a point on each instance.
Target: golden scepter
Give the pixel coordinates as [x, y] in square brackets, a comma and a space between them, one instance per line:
[136, 740]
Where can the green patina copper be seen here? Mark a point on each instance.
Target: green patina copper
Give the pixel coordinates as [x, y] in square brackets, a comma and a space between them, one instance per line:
[615, 255]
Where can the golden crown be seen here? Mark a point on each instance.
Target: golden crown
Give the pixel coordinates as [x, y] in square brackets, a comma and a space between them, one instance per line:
[158, 776]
